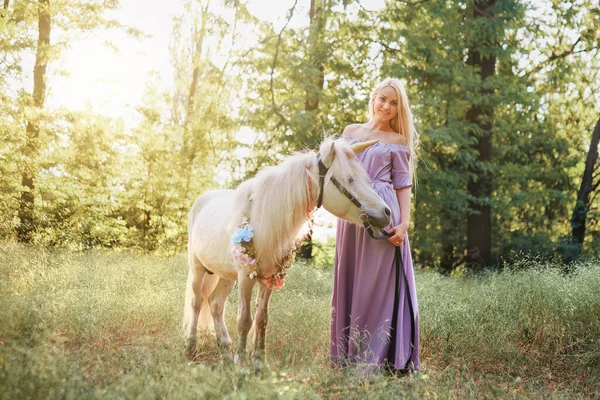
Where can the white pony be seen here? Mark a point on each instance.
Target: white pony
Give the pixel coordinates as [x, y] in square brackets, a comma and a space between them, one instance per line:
[277, 203]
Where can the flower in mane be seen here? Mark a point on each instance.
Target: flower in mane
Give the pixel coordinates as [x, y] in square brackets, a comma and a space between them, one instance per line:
[275, 281]
[243, 234]
[243, 249]
[241, 257]
[244, 253]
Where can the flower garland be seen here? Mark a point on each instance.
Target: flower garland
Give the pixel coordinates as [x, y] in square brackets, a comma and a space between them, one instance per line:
[244, 253]
[243, 249]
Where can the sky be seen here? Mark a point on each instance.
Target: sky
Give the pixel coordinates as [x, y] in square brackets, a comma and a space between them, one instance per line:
[112, 81]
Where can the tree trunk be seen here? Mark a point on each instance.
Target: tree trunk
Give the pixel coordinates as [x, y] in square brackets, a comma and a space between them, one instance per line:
[314, 88]
[579, 216]
[479, 222]
[315, 58]
[30, 151]
[447, 260]
[188, 139]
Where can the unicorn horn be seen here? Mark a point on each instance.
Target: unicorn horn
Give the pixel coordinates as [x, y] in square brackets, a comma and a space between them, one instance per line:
[360, 146]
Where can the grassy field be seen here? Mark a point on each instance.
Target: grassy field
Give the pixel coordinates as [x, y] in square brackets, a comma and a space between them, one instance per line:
[105, 324]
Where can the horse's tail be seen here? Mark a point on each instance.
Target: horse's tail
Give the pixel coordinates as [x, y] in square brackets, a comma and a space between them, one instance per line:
[205, 320]
[207, 285]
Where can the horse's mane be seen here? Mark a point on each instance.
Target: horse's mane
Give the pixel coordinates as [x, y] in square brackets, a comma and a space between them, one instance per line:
[279, 197]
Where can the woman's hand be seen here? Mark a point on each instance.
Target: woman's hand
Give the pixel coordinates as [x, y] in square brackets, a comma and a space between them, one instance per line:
[399, 232]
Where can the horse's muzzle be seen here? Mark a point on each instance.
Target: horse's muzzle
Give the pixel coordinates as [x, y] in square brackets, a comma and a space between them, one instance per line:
[380, 220]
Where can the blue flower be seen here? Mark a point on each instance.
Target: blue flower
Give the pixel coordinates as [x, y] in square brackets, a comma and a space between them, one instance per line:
[244, 234]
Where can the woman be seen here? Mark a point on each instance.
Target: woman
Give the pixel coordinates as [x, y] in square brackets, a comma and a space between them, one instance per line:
[364, 330]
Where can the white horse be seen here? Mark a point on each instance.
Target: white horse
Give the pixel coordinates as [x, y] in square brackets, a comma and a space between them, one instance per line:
[277, 203]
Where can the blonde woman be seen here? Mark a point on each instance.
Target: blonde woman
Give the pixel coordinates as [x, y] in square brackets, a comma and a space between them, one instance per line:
[374, 318]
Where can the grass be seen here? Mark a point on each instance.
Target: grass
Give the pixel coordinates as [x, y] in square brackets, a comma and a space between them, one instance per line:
[105, 324]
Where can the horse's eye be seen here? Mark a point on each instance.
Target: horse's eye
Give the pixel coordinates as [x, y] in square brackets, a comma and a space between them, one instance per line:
[350, 180]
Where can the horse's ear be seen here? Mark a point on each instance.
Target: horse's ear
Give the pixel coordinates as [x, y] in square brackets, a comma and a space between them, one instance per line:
[330, 156]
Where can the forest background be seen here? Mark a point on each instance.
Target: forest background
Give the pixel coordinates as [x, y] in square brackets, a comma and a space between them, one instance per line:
[506, 95]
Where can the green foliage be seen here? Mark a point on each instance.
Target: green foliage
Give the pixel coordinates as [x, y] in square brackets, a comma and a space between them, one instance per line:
[98, 182]
[101, 183]
[324, 252]
[105, 324]
[308, 82]
[533, 166]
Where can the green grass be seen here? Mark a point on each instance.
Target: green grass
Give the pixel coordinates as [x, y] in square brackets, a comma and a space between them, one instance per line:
[105, 324]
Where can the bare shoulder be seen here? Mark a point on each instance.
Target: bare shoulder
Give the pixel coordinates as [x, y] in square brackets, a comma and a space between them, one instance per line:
[351, 130]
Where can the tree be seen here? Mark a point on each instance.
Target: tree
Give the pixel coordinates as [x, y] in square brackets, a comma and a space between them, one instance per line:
[566, 72]
[481, 76]
[480, 115]
[307, 82]
[78, 189]
[589, 185]
[47, 17]
[432, 46]
[31, 148]
[202, 99]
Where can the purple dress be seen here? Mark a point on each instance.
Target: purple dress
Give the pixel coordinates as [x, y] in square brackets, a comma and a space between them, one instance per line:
[364, 281]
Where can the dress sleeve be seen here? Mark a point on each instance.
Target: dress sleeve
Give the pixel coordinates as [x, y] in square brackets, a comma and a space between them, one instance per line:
[400, 168]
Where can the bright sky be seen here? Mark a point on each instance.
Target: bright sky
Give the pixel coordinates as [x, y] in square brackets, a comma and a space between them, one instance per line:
[113, 82]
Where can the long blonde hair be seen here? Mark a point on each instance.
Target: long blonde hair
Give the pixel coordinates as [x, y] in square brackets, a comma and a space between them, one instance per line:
[403, 122]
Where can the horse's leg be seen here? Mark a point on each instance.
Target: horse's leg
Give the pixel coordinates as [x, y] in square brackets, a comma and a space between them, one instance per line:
[193, 303]
[244, 319]
[217, 302]
[261, 320]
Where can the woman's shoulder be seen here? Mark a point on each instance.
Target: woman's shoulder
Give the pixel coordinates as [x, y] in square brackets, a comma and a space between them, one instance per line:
[361, 132]
[352, 129]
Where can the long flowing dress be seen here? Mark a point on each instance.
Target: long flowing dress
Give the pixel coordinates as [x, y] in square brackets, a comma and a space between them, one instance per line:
[364, 281]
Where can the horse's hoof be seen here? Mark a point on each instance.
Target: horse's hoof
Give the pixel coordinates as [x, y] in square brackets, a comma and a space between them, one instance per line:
[227, 358]
[261, 368]
[242, 363]
[190, 348]
[225, 352]
[239, 360]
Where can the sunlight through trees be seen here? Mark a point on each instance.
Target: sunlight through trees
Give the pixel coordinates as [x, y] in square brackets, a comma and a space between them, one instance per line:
[505, 92]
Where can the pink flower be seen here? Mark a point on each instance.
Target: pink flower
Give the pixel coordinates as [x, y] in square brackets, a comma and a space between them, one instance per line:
[237, 252]
[247, 260]
[275, 282]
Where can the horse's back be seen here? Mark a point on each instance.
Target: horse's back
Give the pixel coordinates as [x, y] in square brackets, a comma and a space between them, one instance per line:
[209, 198]
[209, 226]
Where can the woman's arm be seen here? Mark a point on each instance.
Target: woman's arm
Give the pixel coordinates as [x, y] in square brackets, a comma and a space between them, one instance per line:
[400, 230]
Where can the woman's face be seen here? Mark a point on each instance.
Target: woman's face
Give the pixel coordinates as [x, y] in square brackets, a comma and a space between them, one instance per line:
[385, 104]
